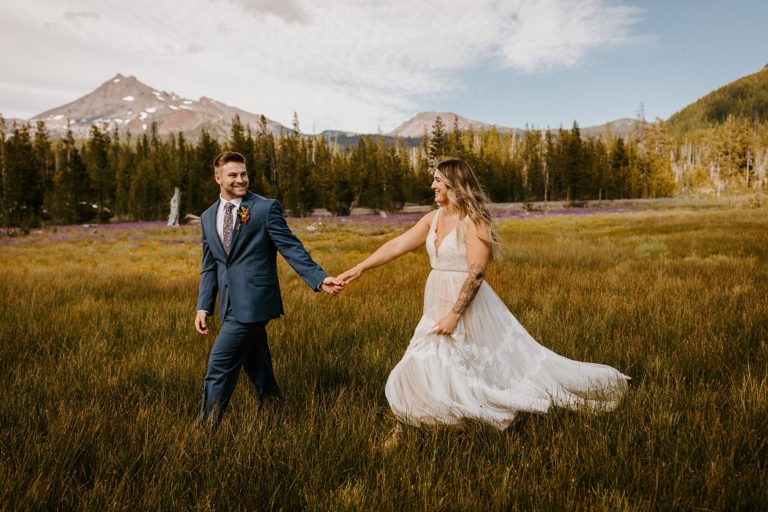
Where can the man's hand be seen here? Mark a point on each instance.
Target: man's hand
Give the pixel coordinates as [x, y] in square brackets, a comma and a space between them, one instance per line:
[332, 285]
[200, 323]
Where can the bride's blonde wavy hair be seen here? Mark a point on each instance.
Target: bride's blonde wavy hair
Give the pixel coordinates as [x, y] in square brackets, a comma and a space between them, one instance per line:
[470, 200]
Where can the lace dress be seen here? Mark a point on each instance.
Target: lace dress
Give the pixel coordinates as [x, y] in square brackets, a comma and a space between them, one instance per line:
[490, 367]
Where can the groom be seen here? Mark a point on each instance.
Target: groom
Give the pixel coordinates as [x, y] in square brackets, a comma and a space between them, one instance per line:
[242, 233]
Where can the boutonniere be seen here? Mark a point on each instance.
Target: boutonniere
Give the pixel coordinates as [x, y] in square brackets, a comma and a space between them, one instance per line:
[244, 214]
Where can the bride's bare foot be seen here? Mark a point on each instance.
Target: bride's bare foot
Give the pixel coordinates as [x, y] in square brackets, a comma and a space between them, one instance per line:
[394, 439]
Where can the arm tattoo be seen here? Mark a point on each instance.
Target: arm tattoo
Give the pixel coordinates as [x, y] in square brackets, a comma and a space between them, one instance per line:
[469, 289]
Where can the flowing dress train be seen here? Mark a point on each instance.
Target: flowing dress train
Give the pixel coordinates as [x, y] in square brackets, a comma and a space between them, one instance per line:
[489, 368]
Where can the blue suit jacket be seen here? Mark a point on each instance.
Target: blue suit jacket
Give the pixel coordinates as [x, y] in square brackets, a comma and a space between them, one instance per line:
[247, 279]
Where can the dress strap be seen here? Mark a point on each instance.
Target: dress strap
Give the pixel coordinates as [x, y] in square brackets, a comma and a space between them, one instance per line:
[433, 227]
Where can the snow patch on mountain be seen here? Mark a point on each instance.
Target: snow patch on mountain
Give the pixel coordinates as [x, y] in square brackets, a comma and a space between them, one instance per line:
[105, 107]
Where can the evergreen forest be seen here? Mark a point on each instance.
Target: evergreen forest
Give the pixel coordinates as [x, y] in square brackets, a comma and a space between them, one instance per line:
[113, 176]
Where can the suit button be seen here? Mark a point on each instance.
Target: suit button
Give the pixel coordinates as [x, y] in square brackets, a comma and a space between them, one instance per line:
[229, 265]
[226, 286]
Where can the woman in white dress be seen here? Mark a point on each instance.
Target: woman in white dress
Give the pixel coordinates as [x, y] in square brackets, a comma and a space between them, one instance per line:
[469, 357]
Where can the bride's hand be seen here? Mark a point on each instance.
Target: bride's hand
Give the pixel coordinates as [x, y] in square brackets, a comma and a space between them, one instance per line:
[350, 275]
[447, 324]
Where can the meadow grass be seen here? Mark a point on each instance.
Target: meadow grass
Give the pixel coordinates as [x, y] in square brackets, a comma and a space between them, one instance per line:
[102, 374]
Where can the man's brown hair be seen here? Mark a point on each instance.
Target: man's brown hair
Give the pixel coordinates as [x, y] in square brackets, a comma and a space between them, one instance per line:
[226, 157]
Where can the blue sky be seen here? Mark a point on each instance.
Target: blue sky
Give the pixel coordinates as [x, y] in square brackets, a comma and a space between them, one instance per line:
[683, 50]
[364, 65]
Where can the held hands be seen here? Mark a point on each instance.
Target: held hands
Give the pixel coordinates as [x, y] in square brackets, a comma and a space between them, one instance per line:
[332, 285]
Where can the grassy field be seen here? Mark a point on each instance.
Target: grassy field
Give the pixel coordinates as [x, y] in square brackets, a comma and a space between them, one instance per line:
[101, 374]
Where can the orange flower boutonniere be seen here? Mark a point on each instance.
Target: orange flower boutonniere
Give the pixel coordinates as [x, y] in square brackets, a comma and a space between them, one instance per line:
[245, 216]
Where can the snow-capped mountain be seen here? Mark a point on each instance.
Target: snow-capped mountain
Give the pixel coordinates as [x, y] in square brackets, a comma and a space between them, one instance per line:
[126, 103]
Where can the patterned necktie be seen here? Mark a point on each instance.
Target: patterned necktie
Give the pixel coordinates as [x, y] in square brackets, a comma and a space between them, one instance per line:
[228, 226]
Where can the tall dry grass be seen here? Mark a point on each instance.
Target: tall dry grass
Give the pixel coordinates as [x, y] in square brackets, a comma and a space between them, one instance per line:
[101, 374]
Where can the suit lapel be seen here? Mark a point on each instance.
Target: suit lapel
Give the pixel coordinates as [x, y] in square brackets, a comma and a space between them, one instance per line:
[210, 227]
[246, 203]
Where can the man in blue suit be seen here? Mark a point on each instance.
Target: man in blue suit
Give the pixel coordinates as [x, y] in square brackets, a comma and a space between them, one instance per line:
[242, 234]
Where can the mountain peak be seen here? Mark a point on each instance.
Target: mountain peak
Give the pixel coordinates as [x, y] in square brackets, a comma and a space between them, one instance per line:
[422, 123]
[123, 79]
[125, 103]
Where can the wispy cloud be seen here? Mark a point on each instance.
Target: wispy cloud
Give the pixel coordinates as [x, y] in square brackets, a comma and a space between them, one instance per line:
[552, 33]
[70, 15]
[288, 10]
[347, 64]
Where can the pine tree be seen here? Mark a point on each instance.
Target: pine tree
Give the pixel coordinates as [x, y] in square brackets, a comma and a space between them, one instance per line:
[201, 188]
[618, 182]
[531, 158]
[344, 192]
[72, 186]
[261, 169]
[423, 167]
[46, 162]
[660, 181]
[124, 163]
[180, 166]
[599, 163]
[454, 145]
[576, 168]
[437, 142]
[241, 141]
[148, 182]
[22, 180]
[372, 167]
[2, 170]
[295, 170]
[395, 177]
[322, 162]
[101, 172]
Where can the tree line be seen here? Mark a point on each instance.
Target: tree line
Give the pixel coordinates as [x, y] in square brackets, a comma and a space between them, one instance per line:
[119, 177]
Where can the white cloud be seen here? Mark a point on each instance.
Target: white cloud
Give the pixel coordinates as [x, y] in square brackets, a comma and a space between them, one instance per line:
[551, 33]
[288, 10]
[347, 64]
[69, 15]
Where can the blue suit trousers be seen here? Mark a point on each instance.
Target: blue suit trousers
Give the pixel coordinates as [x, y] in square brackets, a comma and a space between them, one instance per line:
[237, 345]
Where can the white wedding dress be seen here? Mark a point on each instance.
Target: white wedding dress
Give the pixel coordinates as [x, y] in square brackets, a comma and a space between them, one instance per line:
[490, 367]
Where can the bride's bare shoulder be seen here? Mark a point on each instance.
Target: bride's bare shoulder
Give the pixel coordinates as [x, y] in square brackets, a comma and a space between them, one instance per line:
[476, 230]
[426, 220]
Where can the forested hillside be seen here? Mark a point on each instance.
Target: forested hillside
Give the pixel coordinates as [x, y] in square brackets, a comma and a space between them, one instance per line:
[745, 99]
[107, 178]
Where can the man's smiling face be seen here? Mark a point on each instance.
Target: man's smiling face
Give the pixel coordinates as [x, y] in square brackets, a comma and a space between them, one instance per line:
[233, 180]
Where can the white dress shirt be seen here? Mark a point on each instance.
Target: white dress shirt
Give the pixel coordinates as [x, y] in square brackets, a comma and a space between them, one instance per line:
[220, 215]
[220, 219]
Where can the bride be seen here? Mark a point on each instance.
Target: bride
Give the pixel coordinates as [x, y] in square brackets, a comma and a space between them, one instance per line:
[469, 356]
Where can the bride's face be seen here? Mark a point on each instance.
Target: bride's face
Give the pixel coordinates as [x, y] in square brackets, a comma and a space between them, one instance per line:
[440, 188]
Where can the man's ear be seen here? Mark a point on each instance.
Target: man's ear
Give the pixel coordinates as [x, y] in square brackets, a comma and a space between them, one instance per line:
[217, 178]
